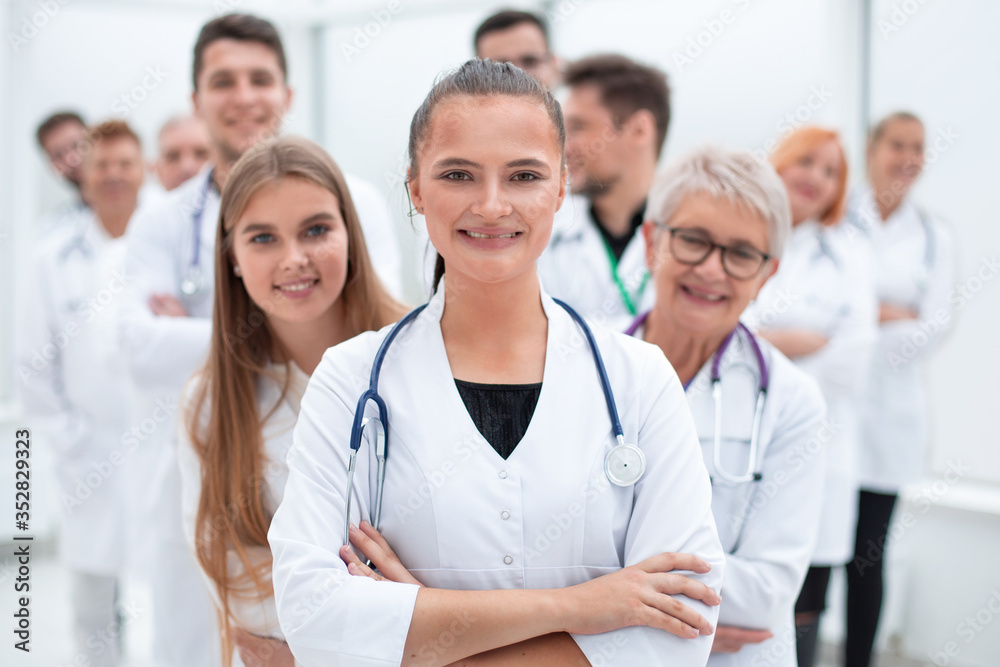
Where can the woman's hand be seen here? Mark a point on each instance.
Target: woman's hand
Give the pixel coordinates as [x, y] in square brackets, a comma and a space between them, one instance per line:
[260, 651]
[729, 639]
[374, 547]
[640, 595]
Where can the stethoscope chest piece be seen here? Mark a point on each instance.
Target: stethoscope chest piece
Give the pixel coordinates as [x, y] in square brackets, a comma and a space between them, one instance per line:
[624, 465]
[191, 283]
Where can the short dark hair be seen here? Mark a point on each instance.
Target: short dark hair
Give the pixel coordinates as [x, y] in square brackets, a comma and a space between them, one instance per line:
[242, 28]
[506, 19]
[625, 87]
[48, 125]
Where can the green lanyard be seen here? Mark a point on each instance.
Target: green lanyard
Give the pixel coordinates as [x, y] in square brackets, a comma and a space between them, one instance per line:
[631, 303]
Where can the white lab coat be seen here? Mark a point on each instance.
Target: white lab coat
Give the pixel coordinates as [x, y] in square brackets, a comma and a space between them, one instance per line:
[894, 419]
[255, 616]
[768, 528]
[74, 385]
[461, 517]
[575, 268]
[825, 283]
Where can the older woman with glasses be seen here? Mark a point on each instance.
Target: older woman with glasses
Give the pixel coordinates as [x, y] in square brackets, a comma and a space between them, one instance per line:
[717, 224]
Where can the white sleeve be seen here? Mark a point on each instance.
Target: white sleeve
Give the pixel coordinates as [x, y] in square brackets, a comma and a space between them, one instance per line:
[39, 361]
[329, 617]
[189, 465]
[915, 339]
[380, 234]
[842, 364]
[161, 352]
[672, 511]
[766, 571]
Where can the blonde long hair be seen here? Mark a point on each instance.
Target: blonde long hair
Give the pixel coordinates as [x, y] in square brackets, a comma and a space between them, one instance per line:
[224, 423]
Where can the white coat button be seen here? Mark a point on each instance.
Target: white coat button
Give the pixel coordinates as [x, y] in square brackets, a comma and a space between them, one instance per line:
[503, 474]
[505, 515]
[508, 560]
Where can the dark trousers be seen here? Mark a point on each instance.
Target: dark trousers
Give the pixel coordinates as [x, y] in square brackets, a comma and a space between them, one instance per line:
[864, 576]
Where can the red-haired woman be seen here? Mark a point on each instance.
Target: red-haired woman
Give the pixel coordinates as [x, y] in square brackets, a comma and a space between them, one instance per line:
[819, 309]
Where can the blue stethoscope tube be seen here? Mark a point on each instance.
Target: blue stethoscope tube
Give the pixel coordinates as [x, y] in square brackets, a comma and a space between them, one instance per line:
[624, 464]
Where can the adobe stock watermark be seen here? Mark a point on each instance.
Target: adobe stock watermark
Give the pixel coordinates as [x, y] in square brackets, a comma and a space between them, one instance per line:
[562, 12]
[968, 629]
[31, 24]
[126, 103]
[815, 100]
[712, 29]
[928, 328]
[101, 470]
[86, 312]
[906, 519]
[899, 16]
[363, 35]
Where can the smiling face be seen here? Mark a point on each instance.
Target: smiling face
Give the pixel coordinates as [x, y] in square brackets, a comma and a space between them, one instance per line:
[290, 244]
[813, 181]
[112, 175]
[241, 95]
[897, 158]
[704, 300]
[489, 183]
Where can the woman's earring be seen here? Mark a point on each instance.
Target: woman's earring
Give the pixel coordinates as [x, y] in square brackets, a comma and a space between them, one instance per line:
[237, 271]
[421, 210]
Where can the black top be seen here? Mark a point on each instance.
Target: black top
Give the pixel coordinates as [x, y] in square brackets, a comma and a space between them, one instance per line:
[618, 243]
[501, 412]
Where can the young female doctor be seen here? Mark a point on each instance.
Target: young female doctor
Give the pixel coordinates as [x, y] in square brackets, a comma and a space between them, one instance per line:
[503, 469]
[292, 278]
[758, 416]
[820, 310]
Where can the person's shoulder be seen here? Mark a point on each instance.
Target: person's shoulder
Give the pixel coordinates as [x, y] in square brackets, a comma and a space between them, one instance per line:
[347, 365]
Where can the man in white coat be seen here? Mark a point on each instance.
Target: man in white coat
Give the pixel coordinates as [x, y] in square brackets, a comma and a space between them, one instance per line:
[62, 136]
[617, 114]
[74, 384]
[241, 92]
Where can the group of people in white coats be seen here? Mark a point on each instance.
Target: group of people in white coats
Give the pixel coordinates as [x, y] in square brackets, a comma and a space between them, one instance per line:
[600, 442]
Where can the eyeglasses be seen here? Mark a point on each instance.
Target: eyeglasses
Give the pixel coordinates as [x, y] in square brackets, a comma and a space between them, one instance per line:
[691, 247]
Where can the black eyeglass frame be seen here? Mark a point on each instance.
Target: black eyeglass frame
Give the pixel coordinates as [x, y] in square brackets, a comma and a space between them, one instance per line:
[712, 245]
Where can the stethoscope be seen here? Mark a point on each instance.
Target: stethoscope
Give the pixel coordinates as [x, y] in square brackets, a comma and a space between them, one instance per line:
[751, 474]
[192, 282]
[624, 464]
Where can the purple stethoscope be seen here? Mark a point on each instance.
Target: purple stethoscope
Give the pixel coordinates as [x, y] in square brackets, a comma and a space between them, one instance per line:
[750, 475]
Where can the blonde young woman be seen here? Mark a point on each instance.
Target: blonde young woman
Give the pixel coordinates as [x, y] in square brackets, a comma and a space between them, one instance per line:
[292, 278]
[498, 493]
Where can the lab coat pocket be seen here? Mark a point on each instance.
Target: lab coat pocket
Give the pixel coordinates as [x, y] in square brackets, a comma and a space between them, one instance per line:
[607, 511]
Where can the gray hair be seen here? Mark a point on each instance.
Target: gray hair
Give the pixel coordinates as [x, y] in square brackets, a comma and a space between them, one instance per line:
[882, 125]
[483, 79]
[733, 176]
